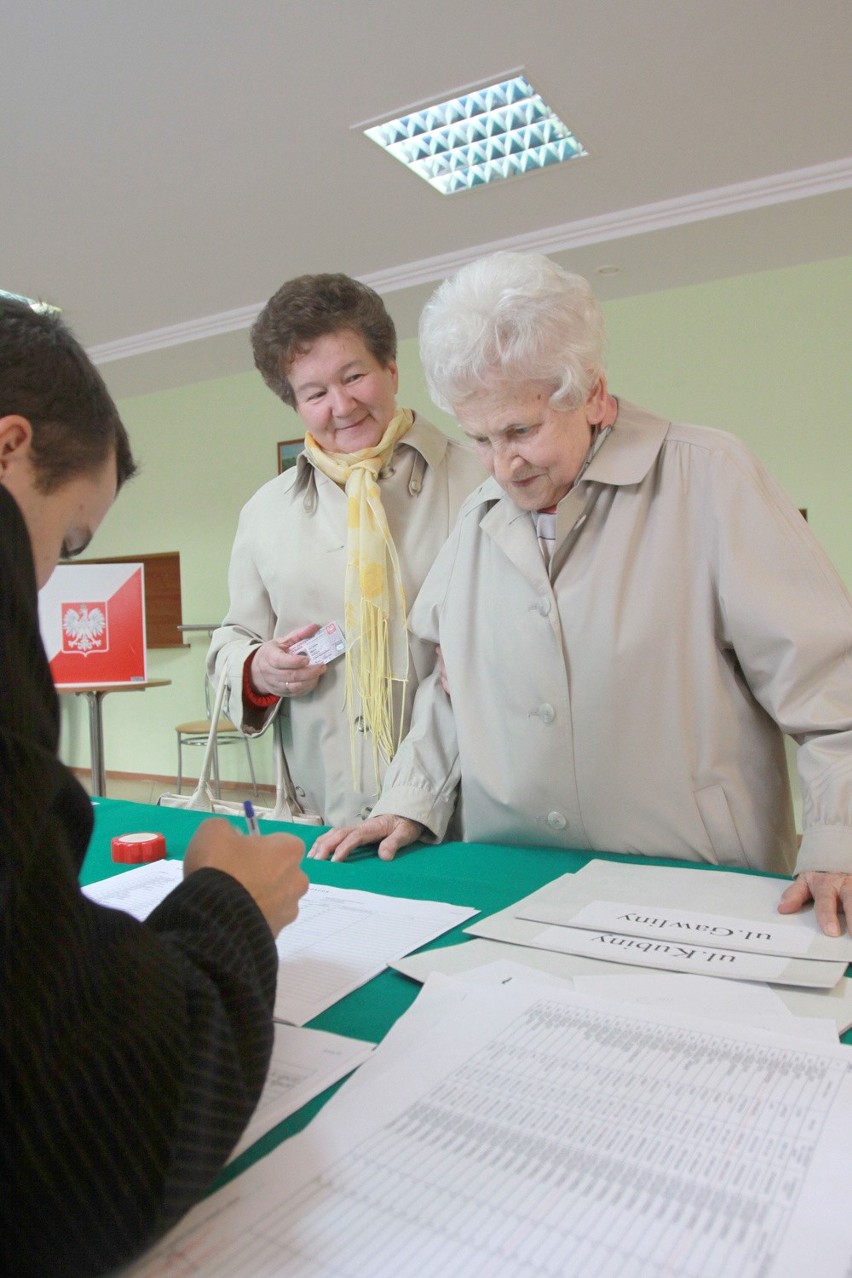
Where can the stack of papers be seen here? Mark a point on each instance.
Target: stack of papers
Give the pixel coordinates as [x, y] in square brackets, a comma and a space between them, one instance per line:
[529, 1131]
[810, 1014]
[561, 931]
[304, 1063]
[341, 939]
[680, 920]
[138, 891]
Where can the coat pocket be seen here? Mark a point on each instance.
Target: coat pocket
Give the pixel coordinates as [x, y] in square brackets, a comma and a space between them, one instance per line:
[719, 823]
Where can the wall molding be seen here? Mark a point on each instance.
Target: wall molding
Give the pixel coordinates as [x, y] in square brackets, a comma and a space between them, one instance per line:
[780, 188]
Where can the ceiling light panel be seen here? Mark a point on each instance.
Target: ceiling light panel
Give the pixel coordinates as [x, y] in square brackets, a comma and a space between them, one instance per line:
[498, 132]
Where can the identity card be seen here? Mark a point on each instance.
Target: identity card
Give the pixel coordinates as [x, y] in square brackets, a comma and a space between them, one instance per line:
[323, 647]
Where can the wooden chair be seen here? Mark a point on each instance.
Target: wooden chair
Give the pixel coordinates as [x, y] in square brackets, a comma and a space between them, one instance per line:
[196, 733]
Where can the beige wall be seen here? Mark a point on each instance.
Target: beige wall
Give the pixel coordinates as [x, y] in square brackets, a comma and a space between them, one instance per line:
[765, 356]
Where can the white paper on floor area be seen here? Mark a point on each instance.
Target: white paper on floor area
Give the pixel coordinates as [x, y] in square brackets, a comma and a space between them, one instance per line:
[455, 960]
[342, 938]
[304, 1063]
[719, 908]
[536, 1131]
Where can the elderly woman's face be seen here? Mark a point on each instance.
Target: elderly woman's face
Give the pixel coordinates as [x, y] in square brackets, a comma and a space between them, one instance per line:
[345, 397]
[532, 448]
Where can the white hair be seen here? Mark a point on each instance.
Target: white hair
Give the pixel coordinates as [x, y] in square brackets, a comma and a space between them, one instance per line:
[512, 317]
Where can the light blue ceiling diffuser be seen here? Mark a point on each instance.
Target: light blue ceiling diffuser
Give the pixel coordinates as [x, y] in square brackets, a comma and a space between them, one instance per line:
[497, 132]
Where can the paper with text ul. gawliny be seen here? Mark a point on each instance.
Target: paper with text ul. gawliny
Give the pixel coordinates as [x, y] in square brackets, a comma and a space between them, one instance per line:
[648, 916]
[723, 909]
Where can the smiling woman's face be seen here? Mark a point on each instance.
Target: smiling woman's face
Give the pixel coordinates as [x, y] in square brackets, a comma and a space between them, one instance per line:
[345, 397]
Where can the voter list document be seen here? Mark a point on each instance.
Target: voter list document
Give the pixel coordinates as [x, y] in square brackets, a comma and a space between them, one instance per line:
[341, 939]
[344, 937]
[533, 1132]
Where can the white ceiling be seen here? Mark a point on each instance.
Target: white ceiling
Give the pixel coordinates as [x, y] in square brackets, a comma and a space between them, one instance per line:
[166, 164]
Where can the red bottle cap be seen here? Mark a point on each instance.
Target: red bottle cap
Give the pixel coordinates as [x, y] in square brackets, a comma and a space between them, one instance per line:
[133, 848]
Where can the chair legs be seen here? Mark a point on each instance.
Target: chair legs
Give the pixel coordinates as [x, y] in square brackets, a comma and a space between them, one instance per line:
[183, 740]
[254, 788]
[217, 788]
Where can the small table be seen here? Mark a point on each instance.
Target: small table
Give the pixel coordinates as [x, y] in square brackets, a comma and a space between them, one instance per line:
[95, 694]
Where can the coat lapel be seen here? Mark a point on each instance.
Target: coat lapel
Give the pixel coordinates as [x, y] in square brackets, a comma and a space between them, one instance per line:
[512, 530]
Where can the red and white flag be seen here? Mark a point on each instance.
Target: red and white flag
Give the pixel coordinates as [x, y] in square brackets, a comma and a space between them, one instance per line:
[92, 619]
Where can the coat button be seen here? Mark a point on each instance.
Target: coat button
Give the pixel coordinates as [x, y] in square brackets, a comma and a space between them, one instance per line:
[556, 820]
[543, 606]
[546, 712]
[365, 812]
[360, 725]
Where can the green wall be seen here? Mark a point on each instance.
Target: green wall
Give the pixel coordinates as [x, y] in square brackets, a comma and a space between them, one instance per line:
[765, 356]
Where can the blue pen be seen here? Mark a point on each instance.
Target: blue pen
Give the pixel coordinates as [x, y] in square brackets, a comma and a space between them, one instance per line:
[251, 819]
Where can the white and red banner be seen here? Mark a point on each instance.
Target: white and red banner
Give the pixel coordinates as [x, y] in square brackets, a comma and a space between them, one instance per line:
[92, 619]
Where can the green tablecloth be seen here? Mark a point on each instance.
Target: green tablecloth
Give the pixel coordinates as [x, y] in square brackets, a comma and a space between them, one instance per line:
[485, 877]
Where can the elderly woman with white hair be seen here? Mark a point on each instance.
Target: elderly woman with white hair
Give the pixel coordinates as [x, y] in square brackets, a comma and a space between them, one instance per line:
[631, 613]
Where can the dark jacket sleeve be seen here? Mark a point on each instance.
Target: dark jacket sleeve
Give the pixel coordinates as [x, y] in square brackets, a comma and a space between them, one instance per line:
[131, 1054]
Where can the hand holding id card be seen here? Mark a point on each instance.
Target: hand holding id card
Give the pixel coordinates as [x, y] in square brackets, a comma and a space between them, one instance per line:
[324, 647]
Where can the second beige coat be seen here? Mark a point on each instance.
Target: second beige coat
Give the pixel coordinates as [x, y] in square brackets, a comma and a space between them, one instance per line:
[287, 570]
[633, 697]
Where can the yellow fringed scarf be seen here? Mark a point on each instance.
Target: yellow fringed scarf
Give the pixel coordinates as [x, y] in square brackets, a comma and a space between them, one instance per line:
[367, 586]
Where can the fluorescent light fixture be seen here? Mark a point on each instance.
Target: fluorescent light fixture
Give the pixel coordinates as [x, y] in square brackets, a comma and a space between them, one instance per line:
[497, 132]
[43, 308]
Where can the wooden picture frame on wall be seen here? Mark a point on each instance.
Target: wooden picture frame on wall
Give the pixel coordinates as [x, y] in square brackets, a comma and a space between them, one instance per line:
[288, 451]
[163, 607]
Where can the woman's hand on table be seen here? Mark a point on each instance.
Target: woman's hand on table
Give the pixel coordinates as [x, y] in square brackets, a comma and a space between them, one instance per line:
[831, 895]
[390, 832]
[276, 669]
[267, 865]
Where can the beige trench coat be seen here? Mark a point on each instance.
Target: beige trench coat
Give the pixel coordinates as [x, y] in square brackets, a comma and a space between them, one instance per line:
[633, 697]
[287, 570]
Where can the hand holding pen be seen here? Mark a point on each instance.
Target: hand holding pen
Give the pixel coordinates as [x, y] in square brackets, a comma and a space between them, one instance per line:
[267, 866]
[251, 819]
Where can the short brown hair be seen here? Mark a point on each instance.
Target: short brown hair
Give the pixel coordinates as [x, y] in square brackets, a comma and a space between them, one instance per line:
[47, 377]
[308, 307]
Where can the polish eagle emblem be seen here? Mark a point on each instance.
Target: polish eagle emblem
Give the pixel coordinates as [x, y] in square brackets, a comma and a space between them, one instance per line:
[84, 628]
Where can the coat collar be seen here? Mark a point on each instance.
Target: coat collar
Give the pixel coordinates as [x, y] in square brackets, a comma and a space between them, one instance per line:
[630, 450]
[625, 458]
[423, 437]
